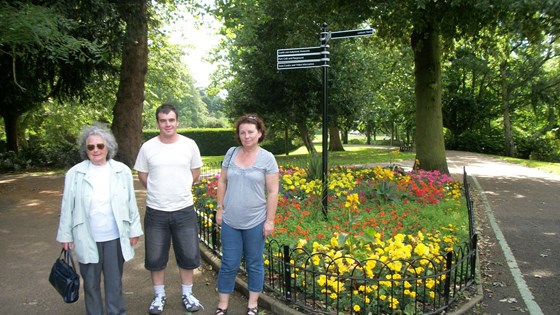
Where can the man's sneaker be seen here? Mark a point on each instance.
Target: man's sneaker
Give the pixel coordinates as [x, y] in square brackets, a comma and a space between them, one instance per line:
[191, 303]
[157, 305]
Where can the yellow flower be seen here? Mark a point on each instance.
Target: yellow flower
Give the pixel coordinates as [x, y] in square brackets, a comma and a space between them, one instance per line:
[334, 242]
[301, 243]
[322, 280]
[422, 250]
[357, 308]
[393, 303]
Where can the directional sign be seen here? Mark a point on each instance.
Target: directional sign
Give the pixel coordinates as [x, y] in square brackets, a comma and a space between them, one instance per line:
[300, 65]
[298, 51]
[352, 33]
[305, 57]
[301, 57]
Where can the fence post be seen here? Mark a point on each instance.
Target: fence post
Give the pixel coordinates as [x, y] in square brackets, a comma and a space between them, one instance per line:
[215, 227]
[468, 198]
[447, 285]
[473, 249]
[287, 274]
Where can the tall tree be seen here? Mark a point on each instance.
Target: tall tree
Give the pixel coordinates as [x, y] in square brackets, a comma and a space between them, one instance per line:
[47, 51]
[519, 52]
[429, 25]
[127, 113]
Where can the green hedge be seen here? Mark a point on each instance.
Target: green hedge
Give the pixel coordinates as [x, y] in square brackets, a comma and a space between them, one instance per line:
[216, 141]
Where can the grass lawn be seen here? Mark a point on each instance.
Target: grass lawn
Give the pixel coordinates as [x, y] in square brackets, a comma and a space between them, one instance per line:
[353, 154]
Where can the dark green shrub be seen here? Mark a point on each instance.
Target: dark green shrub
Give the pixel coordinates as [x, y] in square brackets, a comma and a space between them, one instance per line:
[38, 156]
[488, 141]
[216, 141]
[546, 148]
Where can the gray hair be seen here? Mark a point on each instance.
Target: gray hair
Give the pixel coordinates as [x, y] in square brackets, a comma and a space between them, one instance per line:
[97, 130]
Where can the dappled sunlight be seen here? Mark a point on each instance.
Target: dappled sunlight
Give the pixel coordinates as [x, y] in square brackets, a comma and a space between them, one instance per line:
[7, 180]
[51, 192]
[33, 203]
[541, 273]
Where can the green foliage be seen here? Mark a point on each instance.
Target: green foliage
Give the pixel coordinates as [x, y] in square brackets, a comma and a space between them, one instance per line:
[489, 141]
[216, 141]
[39, 156]
[51, 51]
[314, 166]
[170, 81]
[546, 148]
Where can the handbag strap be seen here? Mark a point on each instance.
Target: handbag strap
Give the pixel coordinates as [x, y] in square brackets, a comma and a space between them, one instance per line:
[67, 256]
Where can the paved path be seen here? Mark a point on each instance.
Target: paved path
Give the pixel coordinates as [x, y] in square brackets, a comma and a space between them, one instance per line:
[29, 212]
[520, 255]
[521, 229]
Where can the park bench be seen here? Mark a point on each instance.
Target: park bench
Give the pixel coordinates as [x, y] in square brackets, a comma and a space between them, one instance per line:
[406, 146]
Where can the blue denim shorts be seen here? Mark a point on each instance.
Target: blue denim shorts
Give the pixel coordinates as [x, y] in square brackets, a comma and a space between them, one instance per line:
[163, 228]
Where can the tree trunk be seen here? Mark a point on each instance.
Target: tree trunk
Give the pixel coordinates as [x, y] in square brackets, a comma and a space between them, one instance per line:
[127, 114]
[335, 144]
[11, 129]
[510, 149]
[304, 132]
[430, 145]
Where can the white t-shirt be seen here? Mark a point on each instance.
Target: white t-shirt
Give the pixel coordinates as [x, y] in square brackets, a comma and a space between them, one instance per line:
[169, 172]
[101, 217]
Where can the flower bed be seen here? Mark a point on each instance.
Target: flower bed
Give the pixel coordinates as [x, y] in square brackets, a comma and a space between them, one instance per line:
[381, 224]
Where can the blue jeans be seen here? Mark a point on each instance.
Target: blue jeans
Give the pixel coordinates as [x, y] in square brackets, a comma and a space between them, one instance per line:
[235, 244]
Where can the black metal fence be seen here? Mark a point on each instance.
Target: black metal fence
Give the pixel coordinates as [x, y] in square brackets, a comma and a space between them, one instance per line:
[323, 284]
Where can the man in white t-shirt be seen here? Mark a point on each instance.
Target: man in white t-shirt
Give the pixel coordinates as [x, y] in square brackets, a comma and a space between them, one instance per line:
[167, 166]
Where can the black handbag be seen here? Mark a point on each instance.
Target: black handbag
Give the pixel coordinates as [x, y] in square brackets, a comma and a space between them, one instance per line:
[64, 278]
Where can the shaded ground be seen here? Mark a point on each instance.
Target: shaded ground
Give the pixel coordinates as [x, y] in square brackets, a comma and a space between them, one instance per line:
[29, 213]
[523, 201]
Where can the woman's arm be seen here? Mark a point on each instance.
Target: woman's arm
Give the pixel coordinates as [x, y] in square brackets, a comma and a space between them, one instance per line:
[222, 186]
[272, 187]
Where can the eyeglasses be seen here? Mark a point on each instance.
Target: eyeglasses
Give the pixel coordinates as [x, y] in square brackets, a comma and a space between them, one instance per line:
[100, 146]
[252, 117]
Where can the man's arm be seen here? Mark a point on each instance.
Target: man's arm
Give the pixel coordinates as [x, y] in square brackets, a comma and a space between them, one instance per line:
[195, 174]
[143, 177]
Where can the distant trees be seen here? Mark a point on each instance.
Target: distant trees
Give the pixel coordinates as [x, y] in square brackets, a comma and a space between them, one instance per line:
[431, 30]
[46, 54]
[473, 75]
[70, 63]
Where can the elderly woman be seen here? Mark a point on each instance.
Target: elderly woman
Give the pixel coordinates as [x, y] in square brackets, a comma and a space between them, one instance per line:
[99, 219]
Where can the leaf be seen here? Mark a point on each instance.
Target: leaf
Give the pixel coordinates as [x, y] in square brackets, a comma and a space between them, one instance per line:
[509, 300]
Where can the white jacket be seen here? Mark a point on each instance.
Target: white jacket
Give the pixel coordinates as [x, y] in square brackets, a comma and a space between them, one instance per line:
[74, 225]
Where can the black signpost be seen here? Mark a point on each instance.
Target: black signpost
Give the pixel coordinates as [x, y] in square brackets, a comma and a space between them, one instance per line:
[315, 57]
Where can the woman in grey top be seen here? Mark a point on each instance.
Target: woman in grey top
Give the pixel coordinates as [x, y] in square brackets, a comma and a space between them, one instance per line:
[247, 201]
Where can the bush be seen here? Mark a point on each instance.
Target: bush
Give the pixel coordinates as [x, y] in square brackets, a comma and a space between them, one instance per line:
[38, 156]
[546, 148]
[216, 141]
[482, 141]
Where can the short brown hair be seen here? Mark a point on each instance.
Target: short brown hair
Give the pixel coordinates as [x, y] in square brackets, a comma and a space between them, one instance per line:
[249, 119]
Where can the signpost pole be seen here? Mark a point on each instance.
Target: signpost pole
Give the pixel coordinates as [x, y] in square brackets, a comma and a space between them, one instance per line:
[325, 153]
[314, 57]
